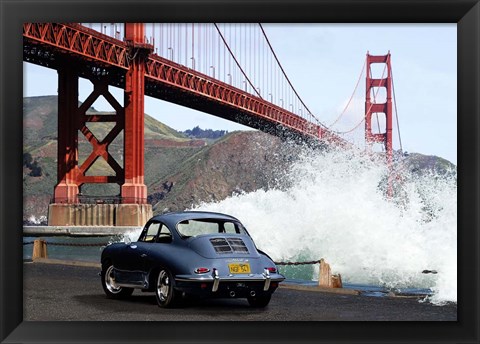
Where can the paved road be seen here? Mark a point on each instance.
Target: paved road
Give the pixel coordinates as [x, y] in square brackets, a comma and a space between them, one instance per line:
[60, 292]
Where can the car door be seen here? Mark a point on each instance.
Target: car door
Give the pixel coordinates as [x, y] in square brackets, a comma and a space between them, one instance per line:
[155, 254]
[133, 265]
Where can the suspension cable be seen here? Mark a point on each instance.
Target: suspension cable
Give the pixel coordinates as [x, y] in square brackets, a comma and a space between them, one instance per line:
[396, 112]
[375, 101]
[234, 58]
[351, 97]
[371, 105]
[286, 77]
[349, 131]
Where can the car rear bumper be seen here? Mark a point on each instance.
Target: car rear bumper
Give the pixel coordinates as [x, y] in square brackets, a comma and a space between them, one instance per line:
[265, 278]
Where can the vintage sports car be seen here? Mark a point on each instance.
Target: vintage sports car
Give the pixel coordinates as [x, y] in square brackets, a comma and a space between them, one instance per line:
[190, 253]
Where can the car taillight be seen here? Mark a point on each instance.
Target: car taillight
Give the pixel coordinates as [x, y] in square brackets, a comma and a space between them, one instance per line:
[201, 270]
[272, 270]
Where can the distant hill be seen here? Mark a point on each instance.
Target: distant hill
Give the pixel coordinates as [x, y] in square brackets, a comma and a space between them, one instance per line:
[421, 164]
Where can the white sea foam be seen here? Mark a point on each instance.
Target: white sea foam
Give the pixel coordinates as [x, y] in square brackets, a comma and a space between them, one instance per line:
[335, 209]
[37, 221]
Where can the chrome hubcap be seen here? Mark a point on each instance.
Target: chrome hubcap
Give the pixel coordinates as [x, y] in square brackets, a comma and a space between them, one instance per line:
[163, 286]
[110, 281]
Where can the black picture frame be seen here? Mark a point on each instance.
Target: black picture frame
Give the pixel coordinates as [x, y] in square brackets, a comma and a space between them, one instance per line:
[466, 13]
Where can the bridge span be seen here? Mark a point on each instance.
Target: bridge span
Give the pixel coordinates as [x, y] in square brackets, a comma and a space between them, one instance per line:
[134, 65]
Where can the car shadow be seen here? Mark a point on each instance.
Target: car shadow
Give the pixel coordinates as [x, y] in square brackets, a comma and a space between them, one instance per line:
[138, 300]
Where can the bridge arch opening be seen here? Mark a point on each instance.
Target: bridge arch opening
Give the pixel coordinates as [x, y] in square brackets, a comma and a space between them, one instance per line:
[378, 95]
[378, 70]
[378, 123]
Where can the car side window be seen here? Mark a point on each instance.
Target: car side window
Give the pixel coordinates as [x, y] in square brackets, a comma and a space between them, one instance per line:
[164, 235]
[229, 227]
[151, 233]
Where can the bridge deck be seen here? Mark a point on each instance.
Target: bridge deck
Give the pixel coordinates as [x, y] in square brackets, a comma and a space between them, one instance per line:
[99, 56]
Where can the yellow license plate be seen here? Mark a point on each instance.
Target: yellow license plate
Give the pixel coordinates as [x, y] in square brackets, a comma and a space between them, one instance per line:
[239, 268]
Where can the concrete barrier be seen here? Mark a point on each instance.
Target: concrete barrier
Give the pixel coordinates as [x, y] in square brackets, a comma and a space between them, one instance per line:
[63, 214]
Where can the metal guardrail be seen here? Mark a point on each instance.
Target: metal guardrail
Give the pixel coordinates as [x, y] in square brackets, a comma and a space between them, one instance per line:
[86, 199]
[105, 244]
[69, 244]
[299, 263]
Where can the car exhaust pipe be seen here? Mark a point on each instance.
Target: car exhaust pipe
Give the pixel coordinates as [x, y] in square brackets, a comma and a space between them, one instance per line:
[252, 293]
[232, 294]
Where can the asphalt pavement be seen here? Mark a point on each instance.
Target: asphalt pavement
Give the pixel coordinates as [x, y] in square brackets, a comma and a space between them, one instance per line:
[63, 292]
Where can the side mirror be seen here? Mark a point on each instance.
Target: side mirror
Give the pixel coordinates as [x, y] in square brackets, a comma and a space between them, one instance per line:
[127, 240]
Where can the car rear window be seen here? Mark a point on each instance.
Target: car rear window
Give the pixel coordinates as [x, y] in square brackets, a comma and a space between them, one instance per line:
[189, 228]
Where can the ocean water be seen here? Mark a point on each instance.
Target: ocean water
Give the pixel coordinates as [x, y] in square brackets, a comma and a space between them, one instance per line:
[334, 207]
[88, 249]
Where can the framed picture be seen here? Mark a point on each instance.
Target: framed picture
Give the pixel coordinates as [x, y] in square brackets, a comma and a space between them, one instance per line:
[466, 16]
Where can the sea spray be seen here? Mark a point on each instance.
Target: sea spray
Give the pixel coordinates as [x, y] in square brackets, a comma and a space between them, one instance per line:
[335, 207]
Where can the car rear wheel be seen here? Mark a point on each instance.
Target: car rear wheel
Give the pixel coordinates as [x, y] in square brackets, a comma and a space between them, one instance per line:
[109, 285]
[164, 289]
[259, 301]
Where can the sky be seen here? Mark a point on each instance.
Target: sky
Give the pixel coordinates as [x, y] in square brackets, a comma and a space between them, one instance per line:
[324, 62]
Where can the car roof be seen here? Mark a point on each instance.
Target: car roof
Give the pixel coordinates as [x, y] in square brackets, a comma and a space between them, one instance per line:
[176, 217]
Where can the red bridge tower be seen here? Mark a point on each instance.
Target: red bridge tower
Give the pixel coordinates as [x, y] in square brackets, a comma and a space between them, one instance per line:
[132, 208]
[385, 109]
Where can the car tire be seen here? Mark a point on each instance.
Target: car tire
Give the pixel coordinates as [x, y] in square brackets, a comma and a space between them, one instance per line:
[108, 283]
[165, 293]
[259, 301]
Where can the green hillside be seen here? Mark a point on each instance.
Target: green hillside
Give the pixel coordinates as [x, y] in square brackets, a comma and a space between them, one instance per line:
[165, 148]
[179, 171]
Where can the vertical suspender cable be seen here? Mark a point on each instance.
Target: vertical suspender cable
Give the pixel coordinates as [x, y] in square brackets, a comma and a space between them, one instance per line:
[205, 52]
[396, 112]
[254, 56]
[193, 45]
[270, 65]
[186, 45]
[162, 39]
[375, 101]
[286, 77]
[153, 34]
[235, 70]
[233, 56]
[212, 48]
[239, 53]
[250, 71]
[224, 58]
[218, 45]
[263, 66]
[209, 50]
[179, 48]
[229, 58]
[206, 47]
[245, 51]
[199, 50]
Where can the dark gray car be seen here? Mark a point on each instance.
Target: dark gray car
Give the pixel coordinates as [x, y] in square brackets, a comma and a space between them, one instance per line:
[190, 253]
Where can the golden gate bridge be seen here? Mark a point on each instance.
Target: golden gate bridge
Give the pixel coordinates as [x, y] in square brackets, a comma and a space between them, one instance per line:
[227, 70]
